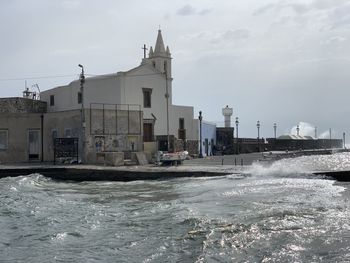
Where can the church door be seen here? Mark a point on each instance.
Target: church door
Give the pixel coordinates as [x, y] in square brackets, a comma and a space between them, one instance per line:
[148, 132]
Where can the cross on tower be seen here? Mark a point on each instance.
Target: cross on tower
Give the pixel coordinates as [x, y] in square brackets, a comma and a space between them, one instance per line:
[144, 50]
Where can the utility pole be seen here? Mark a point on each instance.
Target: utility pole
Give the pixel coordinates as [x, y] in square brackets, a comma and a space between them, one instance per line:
[200, 118]
[258, 126]
[167, 108]
[237, 144]
[83, 124]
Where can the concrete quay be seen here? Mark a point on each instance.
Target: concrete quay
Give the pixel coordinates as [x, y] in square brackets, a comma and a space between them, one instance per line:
[106, 173]
[201, 167]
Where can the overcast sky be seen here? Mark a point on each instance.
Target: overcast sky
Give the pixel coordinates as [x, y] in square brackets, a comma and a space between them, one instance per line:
[275, 61]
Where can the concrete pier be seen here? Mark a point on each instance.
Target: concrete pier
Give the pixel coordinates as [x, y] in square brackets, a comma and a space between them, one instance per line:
[103, 173]
[205, 167]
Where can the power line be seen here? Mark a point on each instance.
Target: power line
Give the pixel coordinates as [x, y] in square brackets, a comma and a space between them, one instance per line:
[40, 77]
[71, 75]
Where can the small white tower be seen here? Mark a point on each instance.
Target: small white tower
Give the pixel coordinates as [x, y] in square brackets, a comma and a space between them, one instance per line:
[227, 112]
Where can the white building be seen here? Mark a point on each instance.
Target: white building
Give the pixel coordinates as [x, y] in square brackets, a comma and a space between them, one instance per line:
[147, 86]
[208, 141]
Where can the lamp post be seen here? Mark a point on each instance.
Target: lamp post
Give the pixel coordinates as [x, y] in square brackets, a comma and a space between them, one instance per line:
[82, 81]
[330, 138]
[344, 140]
[275, 129]
[315, 132]
[237, 145]
[200, 118]
[258, 126]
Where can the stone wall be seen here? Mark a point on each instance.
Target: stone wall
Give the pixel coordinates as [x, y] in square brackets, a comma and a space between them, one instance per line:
[179, 145]
[22, 105]
[192, 147]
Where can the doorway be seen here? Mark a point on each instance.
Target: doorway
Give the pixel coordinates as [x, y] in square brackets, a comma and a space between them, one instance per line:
[148, 132]
[206, 145]
[33, 145]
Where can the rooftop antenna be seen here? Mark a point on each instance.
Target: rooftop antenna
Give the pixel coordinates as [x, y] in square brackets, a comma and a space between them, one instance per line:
[37, 86]
[26, 92]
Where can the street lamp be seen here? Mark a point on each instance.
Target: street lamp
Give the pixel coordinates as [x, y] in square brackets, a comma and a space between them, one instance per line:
[315, 132]
[344, 140]
[274, 129]
[82, 81]
[258, 126]
[237, 145]
[200, 118]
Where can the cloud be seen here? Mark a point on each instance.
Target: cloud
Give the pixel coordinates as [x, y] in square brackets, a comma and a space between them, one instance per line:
[239, 34]
[340, 17]
[281, 6]
[328, 4]
[70, 4]
[300, 8]
[333, 40]
[204, 12]
[188, 10]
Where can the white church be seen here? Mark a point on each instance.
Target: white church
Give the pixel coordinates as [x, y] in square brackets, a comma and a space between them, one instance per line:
[128, 110]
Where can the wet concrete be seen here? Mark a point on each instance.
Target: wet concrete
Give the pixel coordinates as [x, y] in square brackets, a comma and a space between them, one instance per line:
[101, 173]
[204, 167]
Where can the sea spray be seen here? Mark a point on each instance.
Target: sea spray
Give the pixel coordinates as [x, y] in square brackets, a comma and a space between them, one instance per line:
[279, 168]
[302, 165]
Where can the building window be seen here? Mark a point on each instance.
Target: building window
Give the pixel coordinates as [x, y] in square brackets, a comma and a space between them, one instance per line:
[80, 98]
[147, 93]
[3, 139]
[52, 100]
[181, 123]
[54, 134]
[68, 133]
[182, 130]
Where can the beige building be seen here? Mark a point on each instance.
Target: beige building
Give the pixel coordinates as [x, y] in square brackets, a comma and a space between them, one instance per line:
[21, 126]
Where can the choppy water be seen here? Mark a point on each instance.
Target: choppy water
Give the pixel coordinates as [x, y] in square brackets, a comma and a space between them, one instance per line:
[275, 214]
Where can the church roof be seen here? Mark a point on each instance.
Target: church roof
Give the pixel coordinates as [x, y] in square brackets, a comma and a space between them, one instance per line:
[159, 49]
[148, 66]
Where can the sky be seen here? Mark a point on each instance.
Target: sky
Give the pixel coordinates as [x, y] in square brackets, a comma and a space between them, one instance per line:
[276, 61]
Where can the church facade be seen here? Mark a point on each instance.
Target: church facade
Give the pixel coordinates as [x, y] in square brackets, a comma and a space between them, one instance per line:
[126, 111]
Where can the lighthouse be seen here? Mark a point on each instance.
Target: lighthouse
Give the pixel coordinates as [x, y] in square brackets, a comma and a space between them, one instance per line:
[227, 112]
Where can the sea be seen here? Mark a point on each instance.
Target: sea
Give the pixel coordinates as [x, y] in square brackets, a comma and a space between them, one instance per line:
[277, 212]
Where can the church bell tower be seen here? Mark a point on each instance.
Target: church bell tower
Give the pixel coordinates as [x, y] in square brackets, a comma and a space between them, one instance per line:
[160, 57]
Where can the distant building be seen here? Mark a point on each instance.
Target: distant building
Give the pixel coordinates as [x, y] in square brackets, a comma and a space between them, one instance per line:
[208, 138]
